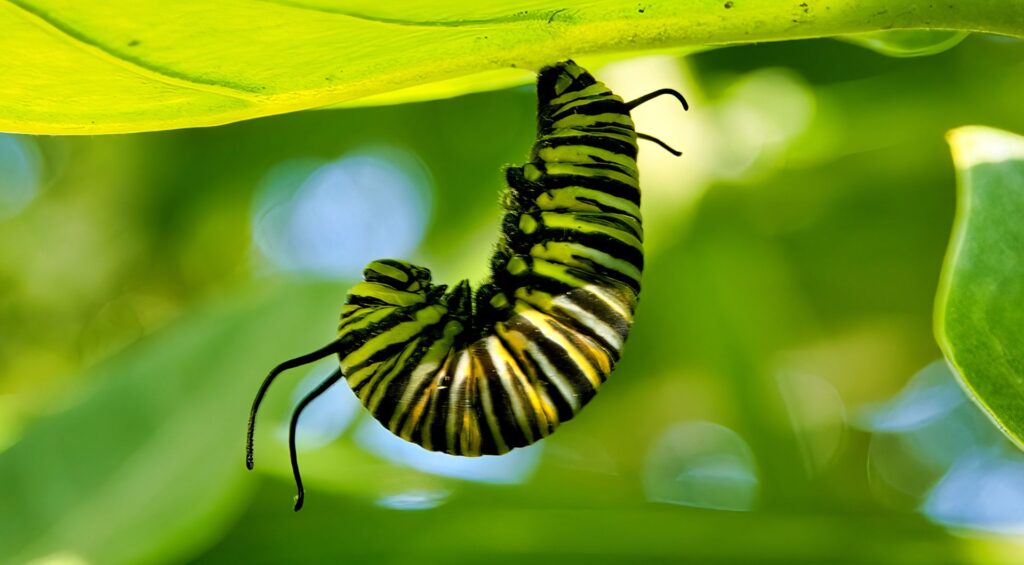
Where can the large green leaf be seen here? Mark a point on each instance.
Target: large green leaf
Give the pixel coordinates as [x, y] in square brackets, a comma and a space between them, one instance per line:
[979, 318]
[147, 464]
[133, 65]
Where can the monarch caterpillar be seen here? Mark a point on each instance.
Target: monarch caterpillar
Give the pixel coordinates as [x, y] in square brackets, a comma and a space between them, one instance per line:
[483, 372]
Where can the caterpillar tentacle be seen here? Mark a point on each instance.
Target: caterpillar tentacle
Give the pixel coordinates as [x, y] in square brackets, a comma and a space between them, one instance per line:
[481, 372]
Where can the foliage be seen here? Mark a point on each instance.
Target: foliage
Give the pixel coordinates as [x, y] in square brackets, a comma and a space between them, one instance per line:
[138, 66]
[979, 320]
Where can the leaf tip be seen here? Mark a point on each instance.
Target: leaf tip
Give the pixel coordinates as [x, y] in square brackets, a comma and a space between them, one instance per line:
[974, 145]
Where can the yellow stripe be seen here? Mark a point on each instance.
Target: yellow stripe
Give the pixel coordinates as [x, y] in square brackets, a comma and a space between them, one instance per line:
[417, 412]
[600, 95]
[388, 271]
[580, 121]
[569, 253]
[546, 324]
[488, 403]
[568, 169]
[568, 198]
[623, 309]
[506, 373]
[352, 324]
[596, 88]
[587, 154]
[456, 389]
[558, 272]
[382, 381]
[400, 333]
[578, 222]
[386, 293]
[589, 320]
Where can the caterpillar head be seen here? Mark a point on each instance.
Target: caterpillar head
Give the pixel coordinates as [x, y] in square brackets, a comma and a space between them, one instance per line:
[392, 282]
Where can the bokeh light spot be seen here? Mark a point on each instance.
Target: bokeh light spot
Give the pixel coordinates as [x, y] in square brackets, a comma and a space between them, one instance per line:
[330, 219]
[818, 416]
[930, 394]
[419, 499]
[20, 166]
[984, 490]
[703, 465]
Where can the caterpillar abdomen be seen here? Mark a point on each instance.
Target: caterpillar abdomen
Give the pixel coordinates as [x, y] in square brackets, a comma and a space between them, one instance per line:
[450, 390]
[538, 341]
[482, 372]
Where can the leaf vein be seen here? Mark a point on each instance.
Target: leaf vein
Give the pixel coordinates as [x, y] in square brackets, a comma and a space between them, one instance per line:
[139, 66]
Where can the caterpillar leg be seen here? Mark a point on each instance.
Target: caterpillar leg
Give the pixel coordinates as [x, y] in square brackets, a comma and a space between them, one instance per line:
[306, 359]
[306, 400]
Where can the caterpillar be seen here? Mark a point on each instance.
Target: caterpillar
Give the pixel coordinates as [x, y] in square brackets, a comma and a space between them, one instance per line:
[480, 372]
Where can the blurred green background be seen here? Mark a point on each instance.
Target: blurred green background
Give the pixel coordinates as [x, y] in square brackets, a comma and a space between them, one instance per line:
[778, 402]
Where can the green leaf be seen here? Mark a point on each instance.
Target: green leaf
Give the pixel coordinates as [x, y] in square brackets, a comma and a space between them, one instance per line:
[979, 315]
[147, 464]
[135, 65]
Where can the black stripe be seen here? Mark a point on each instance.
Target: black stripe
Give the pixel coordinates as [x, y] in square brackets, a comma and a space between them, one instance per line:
[501, 406]
[355, 316]
[616, 221]
[596, 241]
[610, 186]
[610, 276]
[563, 409]
[438, 408]
[602, 166]
[387, 363]
[389, 402]
[596, 204]
[584, 345]
[415, 398]
[597, 306]
[558, 357]
[366, 301]
[604, 142]
[565, 317]
[551, 109]
[604, 106]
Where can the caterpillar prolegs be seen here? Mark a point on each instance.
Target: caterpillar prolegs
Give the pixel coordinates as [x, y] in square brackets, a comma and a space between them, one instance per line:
[478, 372]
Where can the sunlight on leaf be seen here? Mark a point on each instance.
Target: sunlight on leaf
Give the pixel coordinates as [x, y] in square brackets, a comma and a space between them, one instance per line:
[979, 318]
[129, 65]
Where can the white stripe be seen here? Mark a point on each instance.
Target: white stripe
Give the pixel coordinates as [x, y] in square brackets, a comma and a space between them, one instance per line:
[488, 405]
[612, 302]
[515, 397]
[595, 324]
[553, 375]
[456, 402]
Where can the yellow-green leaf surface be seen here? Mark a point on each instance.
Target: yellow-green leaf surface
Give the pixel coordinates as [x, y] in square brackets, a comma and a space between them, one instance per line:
[137, 65]
[979, 318]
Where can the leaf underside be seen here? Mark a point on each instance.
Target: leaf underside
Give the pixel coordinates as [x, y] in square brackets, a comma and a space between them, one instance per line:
[131, 65]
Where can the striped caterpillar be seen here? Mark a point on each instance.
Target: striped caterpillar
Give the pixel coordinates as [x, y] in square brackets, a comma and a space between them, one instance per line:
[482, 372]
